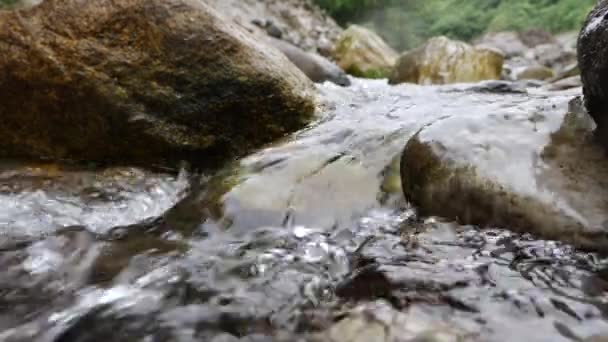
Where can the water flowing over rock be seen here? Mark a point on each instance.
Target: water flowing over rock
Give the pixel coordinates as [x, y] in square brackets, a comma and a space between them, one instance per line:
[443, 61]
[308, 239]
[592, 51]
[316, 67]
[137, 80]
[361, 52]
[530, 171]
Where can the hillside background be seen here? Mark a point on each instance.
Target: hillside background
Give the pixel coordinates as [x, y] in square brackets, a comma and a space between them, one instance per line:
[407, 23]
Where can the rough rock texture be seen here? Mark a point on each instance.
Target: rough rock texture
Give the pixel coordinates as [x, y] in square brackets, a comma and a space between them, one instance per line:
[529, 49]
[536, 36]
[316, 67]
[442, 61]
[361, 52]
[531, 172]
[380, 322]
[552, 55]
[593, 63]
[141, 80]
[300, 22]
[508, 42]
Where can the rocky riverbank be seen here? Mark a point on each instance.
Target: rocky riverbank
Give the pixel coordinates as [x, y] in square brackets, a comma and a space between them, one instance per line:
[457, 196]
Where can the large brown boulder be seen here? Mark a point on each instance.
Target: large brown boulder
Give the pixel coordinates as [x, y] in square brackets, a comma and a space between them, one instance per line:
[592, 51]
[443, 61]
[141, 80]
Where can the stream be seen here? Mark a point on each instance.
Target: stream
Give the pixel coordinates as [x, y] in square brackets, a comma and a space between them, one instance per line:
[308, 239]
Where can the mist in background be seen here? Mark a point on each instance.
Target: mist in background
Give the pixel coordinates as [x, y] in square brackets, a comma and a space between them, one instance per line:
[405, 24]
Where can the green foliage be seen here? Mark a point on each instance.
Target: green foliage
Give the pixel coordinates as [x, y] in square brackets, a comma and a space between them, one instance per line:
[407, 23]
[7, 3]
[350, 9]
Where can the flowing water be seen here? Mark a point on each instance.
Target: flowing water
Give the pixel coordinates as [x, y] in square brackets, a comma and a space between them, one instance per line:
[308, 239]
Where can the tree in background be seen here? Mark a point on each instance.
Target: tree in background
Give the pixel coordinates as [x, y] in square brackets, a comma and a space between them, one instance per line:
[407, 23]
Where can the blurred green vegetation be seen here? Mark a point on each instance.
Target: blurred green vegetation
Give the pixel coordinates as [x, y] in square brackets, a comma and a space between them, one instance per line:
[7, 3]
[407, 23]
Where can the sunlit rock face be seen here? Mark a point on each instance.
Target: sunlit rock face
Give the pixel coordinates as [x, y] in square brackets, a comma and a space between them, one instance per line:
[592, 51]
[135, 80]
[363, 53]
[443, 61]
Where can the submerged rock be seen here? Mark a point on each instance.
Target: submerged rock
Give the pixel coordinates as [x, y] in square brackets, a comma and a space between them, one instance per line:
[314, 190]
[520, 171]
[442, 61]
[135, 80]
[316, 67]
[363, 53]
[592, 54]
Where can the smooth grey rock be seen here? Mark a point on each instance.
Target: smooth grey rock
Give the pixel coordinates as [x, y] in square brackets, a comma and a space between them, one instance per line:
[534, 172]
[316, 67]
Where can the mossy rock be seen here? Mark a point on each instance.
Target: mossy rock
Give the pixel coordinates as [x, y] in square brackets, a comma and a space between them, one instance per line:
[141, 81]
[362, 53]
[369, 73]
[444, 61]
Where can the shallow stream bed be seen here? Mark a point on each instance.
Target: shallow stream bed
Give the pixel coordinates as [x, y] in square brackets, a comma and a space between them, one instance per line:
[309, 239]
